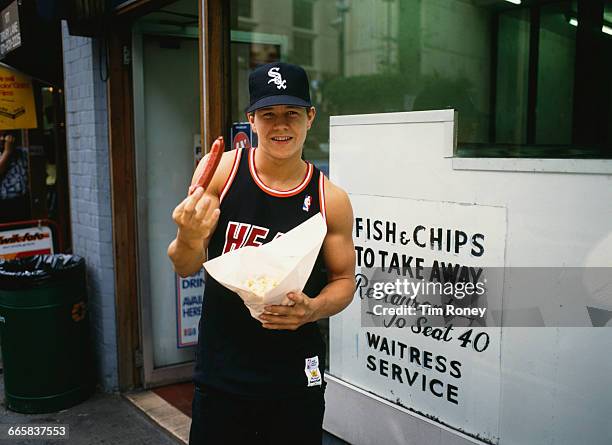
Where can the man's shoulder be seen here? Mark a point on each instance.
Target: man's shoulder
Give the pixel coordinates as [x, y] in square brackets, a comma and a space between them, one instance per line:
[334, 193]
[223, 170]
[337, 204]
[227, 160]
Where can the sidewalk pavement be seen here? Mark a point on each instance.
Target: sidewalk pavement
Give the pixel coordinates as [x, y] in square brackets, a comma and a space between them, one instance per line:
[103, 419]
[110, 419]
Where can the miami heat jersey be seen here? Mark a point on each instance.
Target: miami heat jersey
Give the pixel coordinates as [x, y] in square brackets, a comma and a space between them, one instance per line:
[235, 353]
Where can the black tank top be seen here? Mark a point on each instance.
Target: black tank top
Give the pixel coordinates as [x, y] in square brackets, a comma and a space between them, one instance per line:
[235, 353]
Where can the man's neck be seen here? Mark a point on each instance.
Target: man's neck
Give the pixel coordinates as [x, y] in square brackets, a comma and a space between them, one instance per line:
[280, 174]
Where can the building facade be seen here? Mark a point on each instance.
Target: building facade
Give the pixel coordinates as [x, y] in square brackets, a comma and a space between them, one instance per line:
[163, 79]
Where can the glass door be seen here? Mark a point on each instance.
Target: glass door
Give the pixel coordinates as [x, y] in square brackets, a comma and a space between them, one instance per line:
[167, 138]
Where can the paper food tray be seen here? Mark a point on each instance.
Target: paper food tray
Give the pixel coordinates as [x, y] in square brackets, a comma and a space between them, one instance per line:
[287, 260]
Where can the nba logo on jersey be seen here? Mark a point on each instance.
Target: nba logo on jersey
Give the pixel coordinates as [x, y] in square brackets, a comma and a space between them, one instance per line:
[307, 202]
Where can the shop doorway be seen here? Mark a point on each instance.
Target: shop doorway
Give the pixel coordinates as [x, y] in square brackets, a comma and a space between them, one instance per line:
[167, 140]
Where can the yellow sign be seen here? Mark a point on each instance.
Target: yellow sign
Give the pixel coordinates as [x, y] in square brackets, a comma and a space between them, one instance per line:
[17, 109]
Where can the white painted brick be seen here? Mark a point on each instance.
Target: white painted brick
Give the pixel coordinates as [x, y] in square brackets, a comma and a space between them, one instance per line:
[87, 66]
[89, 182]
[88, 116]
[105, 235]
[84, 51]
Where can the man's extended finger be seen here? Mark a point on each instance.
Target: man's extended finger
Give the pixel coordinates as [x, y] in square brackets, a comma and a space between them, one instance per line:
[202, 206]
[193, 200]
[177, 213]
[283, 320]
[211, 210]
[279, 309]
[181, 207]
[296, 298]
[208, 223]
[214, 215]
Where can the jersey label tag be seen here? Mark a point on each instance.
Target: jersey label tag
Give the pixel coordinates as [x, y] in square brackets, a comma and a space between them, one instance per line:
[307, 202]
[312, 371]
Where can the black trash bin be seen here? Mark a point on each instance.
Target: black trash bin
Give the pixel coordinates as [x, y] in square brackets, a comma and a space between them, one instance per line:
[44, 333]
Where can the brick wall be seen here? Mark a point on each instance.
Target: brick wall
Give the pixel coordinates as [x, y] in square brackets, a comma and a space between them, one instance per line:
[90, 202]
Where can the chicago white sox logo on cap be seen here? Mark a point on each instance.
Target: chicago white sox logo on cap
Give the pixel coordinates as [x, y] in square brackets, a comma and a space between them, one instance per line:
[276, 77]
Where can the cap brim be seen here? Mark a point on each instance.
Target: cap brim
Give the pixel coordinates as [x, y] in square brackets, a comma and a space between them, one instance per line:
[270, 101]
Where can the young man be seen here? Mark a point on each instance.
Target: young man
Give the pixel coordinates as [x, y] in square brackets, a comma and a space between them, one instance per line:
[262, 382]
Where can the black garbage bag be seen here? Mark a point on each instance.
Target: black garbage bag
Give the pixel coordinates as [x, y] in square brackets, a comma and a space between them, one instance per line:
[34, 271]
[44, 333]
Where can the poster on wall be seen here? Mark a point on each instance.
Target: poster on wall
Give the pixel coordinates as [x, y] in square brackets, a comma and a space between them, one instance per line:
[189, 294]
[425, 349]
[17, 109]
[24, 242]
[242, 136]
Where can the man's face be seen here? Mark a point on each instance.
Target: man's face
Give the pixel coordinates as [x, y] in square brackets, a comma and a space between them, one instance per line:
[281, 129]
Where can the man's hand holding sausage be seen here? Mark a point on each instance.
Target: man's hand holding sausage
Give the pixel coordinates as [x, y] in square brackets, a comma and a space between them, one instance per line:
[196, 217]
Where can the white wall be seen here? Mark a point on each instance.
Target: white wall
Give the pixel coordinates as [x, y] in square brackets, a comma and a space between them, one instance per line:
[556, 383]
[90, 196]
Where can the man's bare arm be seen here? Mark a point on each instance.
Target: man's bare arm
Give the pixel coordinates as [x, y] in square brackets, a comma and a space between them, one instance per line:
[339, 255]
[197, 218]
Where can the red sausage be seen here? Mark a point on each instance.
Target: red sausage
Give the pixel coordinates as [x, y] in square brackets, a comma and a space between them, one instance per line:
[214, 157]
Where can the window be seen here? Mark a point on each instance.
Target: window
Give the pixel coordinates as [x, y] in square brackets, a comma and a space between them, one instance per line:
[528, 80]
[244, 8]
[302, 49]
[542, 75]
[303, 13]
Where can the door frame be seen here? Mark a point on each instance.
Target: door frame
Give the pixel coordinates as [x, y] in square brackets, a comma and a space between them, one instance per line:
[214, 47]
[123, 195]
[151, 376]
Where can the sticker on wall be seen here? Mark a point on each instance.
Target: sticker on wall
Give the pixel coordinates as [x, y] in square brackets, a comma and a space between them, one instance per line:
[24, 242]
[189, 294]
[242, 136]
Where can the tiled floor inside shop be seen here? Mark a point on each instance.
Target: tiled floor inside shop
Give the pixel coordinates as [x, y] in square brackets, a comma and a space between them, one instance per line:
[179, 396]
